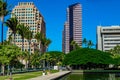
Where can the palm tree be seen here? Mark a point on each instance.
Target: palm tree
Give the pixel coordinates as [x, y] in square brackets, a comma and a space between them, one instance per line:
[3, 12]
[29, 36]
[41, 38]
[35, 59]
[90, 44]
[75, 45]
[22, 30]
[44, 42]
[48, 41]
[85, 42]
[38, 37]
[12, 24]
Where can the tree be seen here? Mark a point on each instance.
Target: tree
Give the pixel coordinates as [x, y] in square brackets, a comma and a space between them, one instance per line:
[116, 55]
[47, 58]
[29, 36]
[35, 59]
[55, 57]
[88, 58]
[12, 24]
[48, 41]
[3, 12]
[22, 30]
[38, 37]
[90, 44]
[85, 42]
[115, 50]
[8, 53]
[75, 45]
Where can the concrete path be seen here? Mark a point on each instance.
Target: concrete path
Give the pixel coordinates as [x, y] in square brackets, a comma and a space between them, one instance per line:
[51, 76]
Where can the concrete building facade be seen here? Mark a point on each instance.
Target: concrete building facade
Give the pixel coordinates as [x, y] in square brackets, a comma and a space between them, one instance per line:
[72, 27]
[108, 37]
[29, 15]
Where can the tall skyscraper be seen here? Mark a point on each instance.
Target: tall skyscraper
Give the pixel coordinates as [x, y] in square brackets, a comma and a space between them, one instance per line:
[29, 15]
[108, 37]
[72, 27]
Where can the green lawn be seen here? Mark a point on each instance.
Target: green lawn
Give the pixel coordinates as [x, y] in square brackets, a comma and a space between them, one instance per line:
[24, 76]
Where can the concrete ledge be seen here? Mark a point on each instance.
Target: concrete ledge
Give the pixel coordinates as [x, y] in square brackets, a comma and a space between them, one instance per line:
[51, 76]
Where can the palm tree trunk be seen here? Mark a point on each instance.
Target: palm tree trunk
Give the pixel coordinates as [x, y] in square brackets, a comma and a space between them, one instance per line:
[2, 19]
[3, 69]
[29, 47]
[14, 38]
[22, 43]
[29, 53]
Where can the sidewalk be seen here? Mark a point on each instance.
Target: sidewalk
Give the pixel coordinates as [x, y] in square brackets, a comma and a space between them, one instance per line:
[51, 76]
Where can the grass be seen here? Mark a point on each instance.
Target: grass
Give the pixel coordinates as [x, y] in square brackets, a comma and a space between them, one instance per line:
[25, 76]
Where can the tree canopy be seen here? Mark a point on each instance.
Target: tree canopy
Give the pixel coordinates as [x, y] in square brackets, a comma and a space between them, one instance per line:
[85, 56]
[55, 57]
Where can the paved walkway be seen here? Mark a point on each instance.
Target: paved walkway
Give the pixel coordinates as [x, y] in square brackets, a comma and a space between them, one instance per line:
[51, 76]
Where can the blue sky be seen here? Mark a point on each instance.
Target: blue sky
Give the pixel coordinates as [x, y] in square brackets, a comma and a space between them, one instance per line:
[94, 12]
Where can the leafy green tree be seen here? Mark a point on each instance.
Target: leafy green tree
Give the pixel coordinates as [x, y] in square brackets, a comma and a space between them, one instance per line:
[3, 12]
[115, 50]
[116, 55]
[55, 57]
[8, 53]
[88, 58]
[47, 58]
[12, 24]
[35, 59]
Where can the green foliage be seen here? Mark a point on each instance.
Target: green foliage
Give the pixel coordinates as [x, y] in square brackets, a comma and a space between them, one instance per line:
[85, 56]
[115, 50]
[38, 36]
[55, 57]
[8, 53]
[22, 30]
[116, 54]
[12, 24]
[87, 43]
[75, 45]
[35, 59]
[43, 40]
[4, 8]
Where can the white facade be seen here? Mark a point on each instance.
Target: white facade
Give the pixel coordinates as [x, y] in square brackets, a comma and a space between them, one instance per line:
[108, 37]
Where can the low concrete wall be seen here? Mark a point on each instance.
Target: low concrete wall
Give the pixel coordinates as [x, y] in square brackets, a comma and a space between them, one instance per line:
[60, 75]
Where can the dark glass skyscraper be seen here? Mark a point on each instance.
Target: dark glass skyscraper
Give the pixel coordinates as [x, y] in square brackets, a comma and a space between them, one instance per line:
[73, 27]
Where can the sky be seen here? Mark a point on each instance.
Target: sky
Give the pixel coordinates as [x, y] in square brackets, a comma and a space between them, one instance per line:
[94, 13]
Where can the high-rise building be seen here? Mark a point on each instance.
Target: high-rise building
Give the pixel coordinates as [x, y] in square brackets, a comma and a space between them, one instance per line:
[72, 27]
[108, 37]
[29, 15]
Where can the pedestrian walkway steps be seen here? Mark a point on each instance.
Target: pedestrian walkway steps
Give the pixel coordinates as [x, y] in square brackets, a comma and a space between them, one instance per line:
[51, 76]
